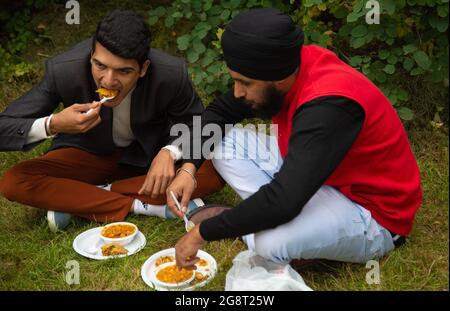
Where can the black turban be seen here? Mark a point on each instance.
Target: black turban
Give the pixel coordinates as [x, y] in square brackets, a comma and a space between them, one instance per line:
[262, 44]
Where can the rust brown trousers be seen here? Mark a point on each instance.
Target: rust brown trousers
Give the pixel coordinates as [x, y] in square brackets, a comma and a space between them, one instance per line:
[64, 180]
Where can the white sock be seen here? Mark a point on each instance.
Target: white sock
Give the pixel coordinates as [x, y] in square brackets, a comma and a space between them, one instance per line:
[148, 209]
[105, 187]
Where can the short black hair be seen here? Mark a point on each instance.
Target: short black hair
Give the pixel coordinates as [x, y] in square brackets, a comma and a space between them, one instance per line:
[125, 34]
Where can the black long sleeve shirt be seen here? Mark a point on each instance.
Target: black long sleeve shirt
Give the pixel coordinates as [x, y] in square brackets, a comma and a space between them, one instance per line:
[323, 131]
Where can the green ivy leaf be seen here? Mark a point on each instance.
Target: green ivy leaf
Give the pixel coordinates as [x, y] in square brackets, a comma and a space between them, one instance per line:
[369, 37]
[416, 71]
[199, 47]
[215, 68]
[380, 76]
[405, 113]
[366, 70]
[159, 11]
[353, 17]
[357, 42]
[360, 4]
[442, 10]
[391, 32]
[388, 6]
[234, 3]
[441, 24]
[355, 61]
[177, 15]
[183, 42]
[409, 48]
[384, 54]
[310, 3]
[393, 99]
[389, 69]
[403, 95]
[225, 14]
[392, 59]
[202, 16]
[208, 59]
[207, 4]
[168, 22]
[192, 56]
[152, 20]
[215, 10]
[422, 59]
[408, 63]
[359, 31]
[340, 12]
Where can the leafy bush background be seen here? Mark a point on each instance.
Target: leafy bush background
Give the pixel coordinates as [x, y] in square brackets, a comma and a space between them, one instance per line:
[411, 39]
[410, 43]
[15, 35]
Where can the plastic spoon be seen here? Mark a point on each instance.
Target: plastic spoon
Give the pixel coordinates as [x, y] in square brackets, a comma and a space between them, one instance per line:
[103, 100]
[93, 249]
[188, 224]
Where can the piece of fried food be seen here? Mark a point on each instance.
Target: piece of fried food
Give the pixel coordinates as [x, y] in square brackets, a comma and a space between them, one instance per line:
[107, 93]
[113, 249]
[164, 259]
[199, 276]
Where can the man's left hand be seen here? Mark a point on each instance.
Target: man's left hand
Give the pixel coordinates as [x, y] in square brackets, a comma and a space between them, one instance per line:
[187, 247]
[160, 174]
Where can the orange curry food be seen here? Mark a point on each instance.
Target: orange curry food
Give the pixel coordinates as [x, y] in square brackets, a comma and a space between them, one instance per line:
[172, 275]
[106, 92]
[118, 231]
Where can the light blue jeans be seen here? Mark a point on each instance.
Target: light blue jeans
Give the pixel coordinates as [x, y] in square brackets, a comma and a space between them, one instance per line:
[330, 225]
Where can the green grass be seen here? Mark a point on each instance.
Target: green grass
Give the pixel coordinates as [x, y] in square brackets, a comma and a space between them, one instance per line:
[33, 258]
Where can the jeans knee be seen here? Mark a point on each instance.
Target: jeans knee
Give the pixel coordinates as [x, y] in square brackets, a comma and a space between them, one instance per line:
[267, 247]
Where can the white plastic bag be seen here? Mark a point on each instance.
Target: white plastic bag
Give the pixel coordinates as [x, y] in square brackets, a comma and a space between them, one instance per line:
[255, 273]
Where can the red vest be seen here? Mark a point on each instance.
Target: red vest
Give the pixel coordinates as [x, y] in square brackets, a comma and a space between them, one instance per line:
[379, 172]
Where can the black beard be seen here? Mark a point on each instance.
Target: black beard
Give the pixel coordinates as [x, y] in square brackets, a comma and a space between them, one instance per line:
[271, 105]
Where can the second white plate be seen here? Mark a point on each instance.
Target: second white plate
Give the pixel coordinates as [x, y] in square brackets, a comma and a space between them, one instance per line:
[89, 240]
[149, 268]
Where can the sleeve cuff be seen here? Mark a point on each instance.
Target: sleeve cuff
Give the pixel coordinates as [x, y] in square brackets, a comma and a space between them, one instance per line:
[37, 131]
[174, 151]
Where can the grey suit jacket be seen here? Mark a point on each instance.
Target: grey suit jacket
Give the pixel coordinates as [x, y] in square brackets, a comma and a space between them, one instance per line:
[164, 96]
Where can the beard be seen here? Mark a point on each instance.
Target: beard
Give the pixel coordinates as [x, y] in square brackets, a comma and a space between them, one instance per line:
[269, 106]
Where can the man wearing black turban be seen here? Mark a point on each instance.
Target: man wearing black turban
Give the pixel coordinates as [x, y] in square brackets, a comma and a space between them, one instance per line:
[340, 182]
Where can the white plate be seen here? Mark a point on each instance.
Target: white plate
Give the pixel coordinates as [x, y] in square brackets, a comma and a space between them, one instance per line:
[88, 239]
[148, 269]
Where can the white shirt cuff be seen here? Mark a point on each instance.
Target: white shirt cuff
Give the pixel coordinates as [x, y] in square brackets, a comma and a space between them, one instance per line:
[37, 131]
[174, 151]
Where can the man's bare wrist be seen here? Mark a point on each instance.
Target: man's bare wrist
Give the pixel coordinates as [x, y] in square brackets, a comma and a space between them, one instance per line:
[51, 125]
[189, 166]
[188, 172]
[48, 130]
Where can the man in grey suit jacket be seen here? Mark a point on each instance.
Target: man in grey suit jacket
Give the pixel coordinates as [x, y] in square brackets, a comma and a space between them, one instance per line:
[124, 140]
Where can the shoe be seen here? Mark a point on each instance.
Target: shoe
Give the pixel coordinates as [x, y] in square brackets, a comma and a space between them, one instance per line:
[192, 206]
[206, 212]
[58, 220]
